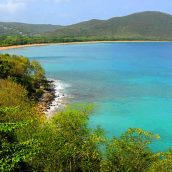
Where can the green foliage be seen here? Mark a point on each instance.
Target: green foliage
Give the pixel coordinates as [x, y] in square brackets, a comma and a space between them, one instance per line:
[37, 71]
[19, 122]
[20, 70]
[140, 26]
[14, 96]
[22, 29]
[130, 152]
[14, 153]
[67, 144]
[164, 163]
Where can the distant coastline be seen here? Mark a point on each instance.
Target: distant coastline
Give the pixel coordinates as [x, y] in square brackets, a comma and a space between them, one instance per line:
[68, 43]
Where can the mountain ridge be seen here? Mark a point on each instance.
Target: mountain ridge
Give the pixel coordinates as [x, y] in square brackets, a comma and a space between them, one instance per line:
[147, 25]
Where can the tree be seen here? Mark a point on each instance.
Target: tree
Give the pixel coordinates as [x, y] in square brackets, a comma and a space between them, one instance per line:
[130, 152]
[19, 69]
[13, 153]
[37, 71]
[163, 164]
[67, 144]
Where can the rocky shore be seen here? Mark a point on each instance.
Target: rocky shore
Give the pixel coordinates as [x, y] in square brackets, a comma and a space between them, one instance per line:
[53, 97]
[48, 96]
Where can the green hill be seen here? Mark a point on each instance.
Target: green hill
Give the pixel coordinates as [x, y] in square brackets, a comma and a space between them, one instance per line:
[144, 25]
[12, 28]
[149, 25]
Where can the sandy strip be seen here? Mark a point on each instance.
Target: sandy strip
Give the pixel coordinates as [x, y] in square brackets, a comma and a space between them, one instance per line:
[68, 43]
[20, 46]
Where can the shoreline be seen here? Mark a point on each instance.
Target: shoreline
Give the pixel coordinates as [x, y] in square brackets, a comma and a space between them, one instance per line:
[47, 97]
[69, 43]
[53, 98]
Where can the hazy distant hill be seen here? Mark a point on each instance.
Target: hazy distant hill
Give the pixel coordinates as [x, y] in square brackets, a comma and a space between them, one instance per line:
[12, 28]
[139, 25]
[148, 25]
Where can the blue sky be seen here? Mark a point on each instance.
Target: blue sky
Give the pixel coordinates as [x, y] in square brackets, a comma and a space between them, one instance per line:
[65, 12]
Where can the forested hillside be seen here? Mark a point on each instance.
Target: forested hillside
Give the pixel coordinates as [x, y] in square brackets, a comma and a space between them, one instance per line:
[23, 29]
[145, 25]
[154, 26]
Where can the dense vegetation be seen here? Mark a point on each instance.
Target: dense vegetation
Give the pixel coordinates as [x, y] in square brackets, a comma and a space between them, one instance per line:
[138, 26]
[31, 142]
[20, 70]
[23, 29]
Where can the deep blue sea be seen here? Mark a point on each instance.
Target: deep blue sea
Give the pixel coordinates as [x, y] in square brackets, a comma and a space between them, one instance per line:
[131, 83]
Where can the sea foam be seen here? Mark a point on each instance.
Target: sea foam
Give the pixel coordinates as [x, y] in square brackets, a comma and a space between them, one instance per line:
[61, 95]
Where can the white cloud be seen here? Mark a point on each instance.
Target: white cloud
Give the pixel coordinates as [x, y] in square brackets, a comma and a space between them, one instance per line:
[17, 5]
[11, 6]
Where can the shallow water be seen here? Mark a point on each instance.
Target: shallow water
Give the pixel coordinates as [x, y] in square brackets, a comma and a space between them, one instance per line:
[130, 82]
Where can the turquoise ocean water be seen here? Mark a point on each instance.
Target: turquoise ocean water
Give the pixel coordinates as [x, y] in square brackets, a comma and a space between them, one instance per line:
[131, 83]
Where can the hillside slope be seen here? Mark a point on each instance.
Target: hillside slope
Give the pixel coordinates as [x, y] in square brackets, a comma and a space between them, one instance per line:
[139, 25]
[12, 28]
[149, 25]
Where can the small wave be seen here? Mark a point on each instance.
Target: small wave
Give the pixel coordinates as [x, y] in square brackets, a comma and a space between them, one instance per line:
[60, 96]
